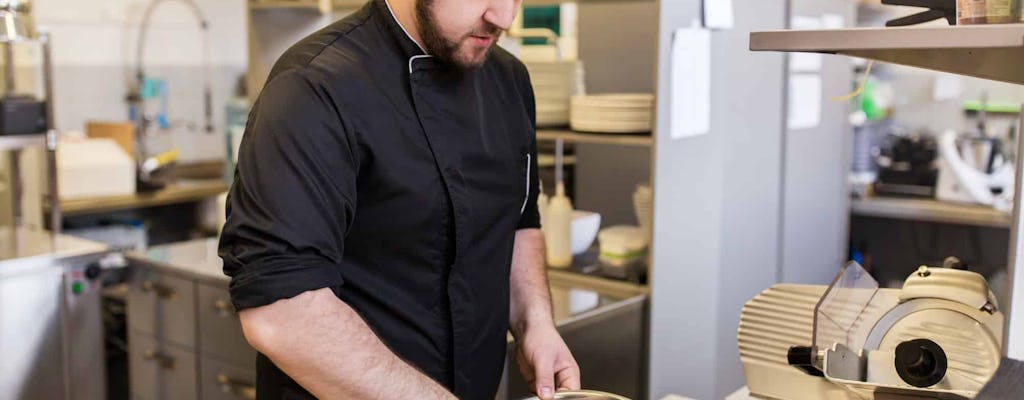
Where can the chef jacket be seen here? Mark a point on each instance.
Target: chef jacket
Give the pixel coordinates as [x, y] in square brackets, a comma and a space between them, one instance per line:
[397, 181]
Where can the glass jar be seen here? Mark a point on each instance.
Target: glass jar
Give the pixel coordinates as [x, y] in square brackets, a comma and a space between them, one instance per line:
[974, 12]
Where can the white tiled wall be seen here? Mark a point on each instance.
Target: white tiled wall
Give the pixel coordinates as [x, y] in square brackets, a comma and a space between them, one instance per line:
[94, 46]
[104, 32]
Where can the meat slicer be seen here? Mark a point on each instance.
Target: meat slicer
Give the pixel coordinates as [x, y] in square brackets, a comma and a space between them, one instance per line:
[939, 337]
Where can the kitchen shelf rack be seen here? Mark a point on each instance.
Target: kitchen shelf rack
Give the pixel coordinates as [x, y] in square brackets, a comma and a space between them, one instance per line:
[983, 51]
[16, 142]
[175, 193]
[929, 210]
[594, 138]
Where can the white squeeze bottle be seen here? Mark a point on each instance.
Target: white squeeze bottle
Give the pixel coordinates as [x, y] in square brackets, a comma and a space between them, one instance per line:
[542, 206]
[558, 220]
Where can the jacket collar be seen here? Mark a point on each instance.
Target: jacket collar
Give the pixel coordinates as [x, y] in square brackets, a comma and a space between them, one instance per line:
[398, 33]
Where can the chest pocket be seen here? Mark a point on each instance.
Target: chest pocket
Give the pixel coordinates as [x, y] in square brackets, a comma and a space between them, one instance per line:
[526, 181]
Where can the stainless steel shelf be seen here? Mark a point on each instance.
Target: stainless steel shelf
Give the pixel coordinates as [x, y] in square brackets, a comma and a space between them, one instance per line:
[15, 142]
[594, 138]
[929, 210]
[984, 51]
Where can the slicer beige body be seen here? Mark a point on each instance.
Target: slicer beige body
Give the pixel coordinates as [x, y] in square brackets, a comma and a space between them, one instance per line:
[858, 329]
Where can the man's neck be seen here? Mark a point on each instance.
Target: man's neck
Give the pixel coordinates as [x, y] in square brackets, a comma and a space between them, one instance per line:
[404, 12]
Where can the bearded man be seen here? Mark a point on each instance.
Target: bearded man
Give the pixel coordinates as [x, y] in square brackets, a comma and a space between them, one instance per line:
[383, 233]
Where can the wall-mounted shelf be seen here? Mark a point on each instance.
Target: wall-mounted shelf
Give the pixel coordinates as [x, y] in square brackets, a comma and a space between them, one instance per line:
[984, 51]
[594, 138]
[16, 142]
[930, 210]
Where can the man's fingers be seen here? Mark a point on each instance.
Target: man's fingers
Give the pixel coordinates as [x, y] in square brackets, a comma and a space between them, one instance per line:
[568, 378]
[544, 376]
[525, 368]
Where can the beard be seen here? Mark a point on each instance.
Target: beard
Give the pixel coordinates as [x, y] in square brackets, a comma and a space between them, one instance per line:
[450, 51]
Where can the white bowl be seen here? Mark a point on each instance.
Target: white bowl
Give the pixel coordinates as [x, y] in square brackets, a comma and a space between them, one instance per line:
[585, 225]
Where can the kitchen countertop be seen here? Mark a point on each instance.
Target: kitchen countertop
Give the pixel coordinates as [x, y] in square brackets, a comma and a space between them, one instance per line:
[197, 259]
[24, 249]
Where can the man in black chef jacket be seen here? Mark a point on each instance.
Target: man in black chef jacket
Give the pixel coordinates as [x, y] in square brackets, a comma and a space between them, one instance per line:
[382, 233]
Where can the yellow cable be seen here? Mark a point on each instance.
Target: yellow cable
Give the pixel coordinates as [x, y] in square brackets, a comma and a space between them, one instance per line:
[860, 88]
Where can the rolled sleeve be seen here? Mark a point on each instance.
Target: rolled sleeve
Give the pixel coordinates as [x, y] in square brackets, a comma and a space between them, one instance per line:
[530, 218]
[293, 197]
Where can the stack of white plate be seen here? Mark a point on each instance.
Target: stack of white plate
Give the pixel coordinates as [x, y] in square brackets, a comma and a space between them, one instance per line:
[643, 205]
[612, 113]
[554, 83]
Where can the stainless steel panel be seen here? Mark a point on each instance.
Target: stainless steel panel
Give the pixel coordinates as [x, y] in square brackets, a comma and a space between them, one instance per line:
[51, 337]
[30, 337]
[160, 370]
[163, 306]
[220, 380]
[84, 327]
[220, 332]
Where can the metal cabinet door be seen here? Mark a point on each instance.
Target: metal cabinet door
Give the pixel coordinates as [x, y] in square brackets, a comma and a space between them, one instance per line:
[220, 331]
[160, 370]
[163, 306]
[31, 366]
[220, 380]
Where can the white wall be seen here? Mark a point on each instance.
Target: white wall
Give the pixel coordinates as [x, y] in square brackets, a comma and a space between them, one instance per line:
[94, 55]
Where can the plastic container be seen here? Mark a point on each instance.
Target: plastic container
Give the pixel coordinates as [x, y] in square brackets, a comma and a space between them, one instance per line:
[622, 245]
[1001, 11]
[975, 12]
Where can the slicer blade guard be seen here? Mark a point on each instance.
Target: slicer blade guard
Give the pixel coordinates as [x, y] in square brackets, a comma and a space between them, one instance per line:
[842, 308]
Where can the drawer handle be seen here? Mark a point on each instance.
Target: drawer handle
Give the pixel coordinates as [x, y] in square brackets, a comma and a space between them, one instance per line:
[223, 308]
[165, 361]
[162, 291]
[239, 388]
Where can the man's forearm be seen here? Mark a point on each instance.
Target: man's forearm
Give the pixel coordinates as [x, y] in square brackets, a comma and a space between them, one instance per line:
[325, 346]
[530, 294]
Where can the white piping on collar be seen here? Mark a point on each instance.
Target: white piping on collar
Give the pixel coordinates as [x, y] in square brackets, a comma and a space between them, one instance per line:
[414, 58]
[403, 27]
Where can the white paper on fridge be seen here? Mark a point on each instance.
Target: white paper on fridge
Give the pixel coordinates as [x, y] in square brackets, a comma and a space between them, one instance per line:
[833, 21]
[804, 101]
[691, 82]
[718, 14]
[805, 62]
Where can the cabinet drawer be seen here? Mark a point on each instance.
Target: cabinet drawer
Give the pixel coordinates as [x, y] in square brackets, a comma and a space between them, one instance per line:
[220, 380]
[160, 370]
[220, 331]
[163, 306]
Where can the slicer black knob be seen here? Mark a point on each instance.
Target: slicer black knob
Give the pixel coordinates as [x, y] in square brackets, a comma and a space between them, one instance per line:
[802, 357]
[920, 362]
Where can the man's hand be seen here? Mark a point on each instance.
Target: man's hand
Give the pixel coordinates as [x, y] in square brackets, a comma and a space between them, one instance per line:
[546, 363]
